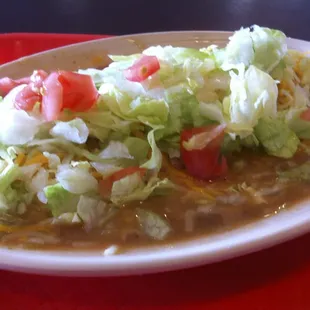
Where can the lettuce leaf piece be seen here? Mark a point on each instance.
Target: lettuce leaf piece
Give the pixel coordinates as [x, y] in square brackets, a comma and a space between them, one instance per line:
[59, 200]
[101, 122]
[39, 181]
[67, 218]
[27, 172]
[154, 163]
[190, 110]
[93, 212]
[269, 42]
[8, 154]
[278, 72]
[150, 111]
[186, 65]
[176, 55]
[53, 160]
[181, 66]
[126, 186]
[75, 131]
[153, 225]
[76, 180]
[105, 169]
[240, 48]
[174, 122]
[15, 198]
[8, 175]
[115, 149]
[249, 46]
[250, 142]
[17, 127]
[301, 128]
[276, 137]
[298, 125]
[253, 96]
[133, 188]
[300, 173]
[137, 147]
[71, 149]
[212, 111]
[184, 110]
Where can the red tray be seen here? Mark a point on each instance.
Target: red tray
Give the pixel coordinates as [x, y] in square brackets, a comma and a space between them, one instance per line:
[15, 45]
[277, 279]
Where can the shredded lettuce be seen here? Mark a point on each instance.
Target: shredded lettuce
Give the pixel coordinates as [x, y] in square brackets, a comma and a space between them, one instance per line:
[150, 111]
[133, 188]
[105, 169]
[258, 46]
[74, 131]
[137, 148]
[24, 128]
[39, 181]
[253, 96]
[76, 180]
[15, 198]
[115, 149]
[8, 175]
[53, 160]
[92, 212]
[154, 163]
[153, 225]
[269, 42]
[122, 188]
[299, 126]
[276, 137]
[59, 200]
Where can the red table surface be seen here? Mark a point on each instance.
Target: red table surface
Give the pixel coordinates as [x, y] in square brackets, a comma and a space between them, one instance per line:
[277, 278]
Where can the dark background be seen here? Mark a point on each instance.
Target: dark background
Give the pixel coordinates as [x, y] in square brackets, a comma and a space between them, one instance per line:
[134, 16]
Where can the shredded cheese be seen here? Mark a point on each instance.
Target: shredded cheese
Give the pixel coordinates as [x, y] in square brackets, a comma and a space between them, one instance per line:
[21, 157]
[37, 159]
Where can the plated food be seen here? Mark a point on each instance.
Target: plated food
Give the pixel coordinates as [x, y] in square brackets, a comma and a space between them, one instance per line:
[164, 145]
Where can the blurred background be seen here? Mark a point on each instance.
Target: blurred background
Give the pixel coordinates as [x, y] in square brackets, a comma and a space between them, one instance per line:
[134, 16]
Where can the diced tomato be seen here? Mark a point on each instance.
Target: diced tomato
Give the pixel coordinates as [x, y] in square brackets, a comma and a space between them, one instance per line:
[79, 91]
[305, 115]
[37, 78]
[52, 99]
[7, 84]
[207, 162]
[27, 98]
[23, 80]
[142, 69]
[105, 185]
[221, 168]
[57, 91]
[67, 90]
[31, 94]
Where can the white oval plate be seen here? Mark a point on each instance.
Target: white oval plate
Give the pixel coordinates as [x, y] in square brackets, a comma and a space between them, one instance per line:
[261, 234]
